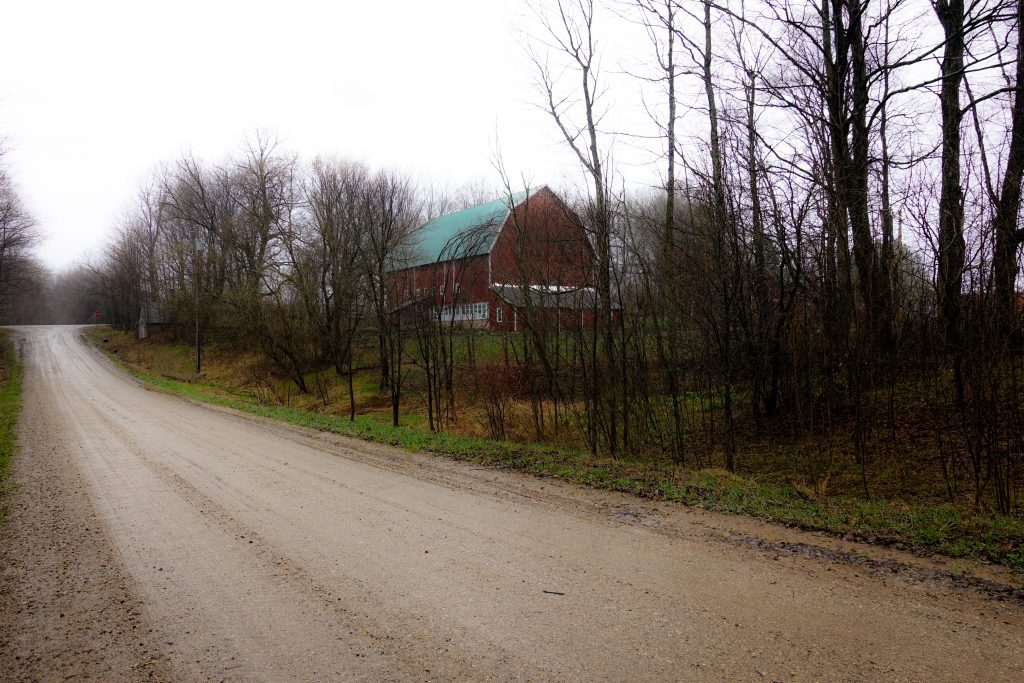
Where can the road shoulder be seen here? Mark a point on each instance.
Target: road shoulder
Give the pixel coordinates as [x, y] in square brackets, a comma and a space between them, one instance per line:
[67, 607]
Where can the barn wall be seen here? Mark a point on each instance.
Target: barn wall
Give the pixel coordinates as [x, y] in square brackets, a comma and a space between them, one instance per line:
[428, 280]
[542, 243]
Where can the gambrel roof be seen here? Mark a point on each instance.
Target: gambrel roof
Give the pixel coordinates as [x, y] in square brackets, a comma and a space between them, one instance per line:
[470, 232]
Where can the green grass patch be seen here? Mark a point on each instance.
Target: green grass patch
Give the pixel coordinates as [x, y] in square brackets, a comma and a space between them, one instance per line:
[939, 529]
[10, 408]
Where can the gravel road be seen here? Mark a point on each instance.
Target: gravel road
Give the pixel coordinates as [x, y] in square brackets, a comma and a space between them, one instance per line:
[151, 538]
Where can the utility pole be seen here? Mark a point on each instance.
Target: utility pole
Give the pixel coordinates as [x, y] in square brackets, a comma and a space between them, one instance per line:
[197, 245]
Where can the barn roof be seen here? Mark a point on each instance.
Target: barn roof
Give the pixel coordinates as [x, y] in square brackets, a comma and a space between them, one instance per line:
[470, 232]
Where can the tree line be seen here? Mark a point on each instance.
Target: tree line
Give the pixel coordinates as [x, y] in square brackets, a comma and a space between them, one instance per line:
[22, 276]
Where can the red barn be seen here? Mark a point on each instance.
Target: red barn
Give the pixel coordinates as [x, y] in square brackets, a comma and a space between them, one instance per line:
[497, 265]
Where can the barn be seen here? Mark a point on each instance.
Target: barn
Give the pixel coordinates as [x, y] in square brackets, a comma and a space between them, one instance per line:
[497, 265]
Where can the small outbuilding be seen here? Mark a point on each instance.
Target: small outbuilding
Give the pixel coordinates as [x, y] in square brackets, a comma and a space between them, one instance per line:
[152, 317]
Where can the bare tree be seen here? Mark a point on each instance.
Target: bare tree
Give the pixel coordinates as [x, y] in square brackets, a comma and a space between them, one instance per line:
[334, 275]
[570, 30]
[19, 235]
[1008, 235]
[390, 213]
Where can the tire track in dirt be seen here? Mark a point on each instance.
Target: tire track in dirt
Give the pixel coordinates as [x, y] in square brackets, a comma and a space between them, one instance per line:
[287, 576]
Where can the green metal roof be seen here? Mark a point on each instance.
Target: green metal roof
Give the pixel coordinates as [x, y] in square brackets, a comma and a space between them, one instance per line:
[470, 232]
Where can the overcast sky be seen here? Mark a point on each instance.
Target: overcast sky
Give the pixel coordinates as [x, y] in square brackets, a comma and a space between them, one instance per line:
[93, 94]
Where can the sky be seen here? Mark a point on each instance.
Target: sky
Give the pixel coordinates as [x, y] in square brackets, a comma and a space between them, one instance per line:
[95, 94]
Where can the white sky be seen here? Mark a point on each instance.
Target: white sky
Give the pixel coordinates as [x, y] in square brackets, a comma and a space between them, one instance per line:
[93, 95]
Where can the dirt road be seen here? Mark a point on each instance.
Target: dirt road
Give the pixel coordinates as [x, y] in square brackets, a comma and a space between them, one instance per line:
[152, 538]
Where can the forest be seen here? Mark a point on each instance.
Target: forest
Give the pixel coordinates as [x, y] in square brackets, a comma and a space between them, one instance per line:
[822, 289]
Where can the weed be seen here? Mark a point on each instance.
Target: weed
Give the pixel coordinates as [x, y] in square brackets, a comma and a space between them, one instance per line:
[10, 407]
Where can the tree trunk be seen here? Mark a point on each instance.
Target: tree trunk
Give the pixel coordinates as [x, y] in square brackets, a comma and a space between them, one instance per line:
[951, 204]
[1007, 235]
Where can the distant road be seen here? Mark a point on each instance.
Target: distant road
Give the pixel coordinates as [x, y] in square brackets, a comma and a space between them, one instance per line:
[153, 538]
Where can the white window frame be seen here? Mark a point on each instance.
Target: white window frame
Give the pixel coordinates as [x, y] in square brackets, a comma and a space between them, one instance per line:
[473, 311]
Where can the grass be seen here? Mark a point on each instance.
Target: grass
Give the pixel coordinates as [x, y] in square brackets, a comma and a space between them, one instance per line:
[10, 407]
[923, 526]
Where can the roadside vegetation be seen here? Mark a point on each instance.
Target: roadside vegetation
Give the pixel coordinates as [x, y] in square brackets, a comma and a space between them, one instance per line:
[10, 407]
[922, 523]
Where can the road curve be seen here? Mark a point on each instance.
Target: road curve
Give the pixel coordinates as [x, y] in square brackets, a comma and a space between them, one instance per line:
[184, 542]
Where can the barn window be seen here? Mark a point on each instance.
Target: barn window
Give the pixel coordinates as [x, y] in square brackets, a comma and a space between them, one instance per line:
[442, 291]
[499, 314]
[457, 289]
